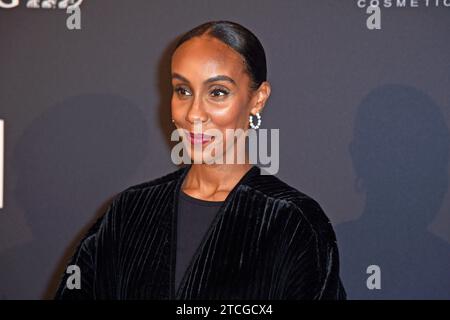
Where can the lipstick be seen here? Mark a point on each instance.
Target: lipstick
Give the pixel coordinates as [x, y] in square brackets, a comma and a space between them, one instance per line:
[200, 138]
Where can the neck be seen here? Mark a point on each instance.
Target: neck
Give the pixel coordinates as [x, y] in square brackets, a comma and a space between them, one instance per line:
[213, 181]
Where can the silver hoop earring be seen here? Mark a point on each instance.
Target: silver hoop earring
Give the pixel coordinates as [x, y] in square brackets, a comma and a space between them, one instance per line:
[250, 119]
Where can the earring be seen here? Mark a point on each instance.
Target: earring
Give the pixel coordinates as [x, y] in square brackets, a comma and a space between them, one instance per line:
[258, 116]
[173, 121]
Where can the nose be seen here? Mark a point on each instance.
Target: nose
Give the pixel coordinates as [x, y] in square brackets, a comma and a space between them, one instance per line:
[196, 112]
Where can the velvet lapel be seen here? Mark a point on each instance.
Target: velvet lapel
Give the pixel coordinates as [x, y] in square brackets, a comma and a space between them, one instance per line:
[253, 172]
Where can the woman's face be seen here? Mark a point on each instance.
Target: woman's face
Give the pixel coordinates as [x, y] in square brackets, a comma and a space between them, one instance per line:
[211, 87]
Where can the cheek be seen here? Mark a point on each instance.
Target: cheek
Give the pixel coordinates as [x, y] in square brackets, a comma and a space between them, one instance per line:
[176, 108]
[232, 115]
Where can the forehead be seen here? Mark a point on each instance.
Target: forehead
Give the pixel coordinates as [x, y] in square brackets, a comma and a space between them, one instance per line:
[205, 56]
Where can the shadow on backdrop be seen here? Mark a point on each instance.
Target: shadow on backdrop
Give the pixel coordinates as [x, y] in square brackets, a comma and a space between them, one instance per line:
[77, 152]
[400, 154]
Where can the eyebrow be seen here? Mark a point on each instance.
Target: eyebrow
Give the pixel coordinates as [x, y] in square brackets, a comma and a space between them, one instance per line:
[213, 79]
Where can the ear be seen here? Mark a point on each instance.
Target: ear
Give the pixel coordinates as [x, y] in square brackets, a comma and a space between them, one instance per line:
[260, 97]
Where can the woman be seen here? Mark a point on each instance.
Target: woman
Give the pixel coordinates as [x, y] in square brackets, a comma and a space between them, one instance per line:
[211, 230]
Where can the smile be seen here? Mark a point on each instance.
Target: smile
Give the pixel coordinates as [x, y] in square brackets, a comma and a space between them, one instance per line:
[199, 138]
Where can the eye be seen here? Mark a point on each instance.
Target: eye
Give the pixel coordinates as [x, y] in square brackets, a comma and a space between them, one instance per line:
[182, 91]
[219, 92]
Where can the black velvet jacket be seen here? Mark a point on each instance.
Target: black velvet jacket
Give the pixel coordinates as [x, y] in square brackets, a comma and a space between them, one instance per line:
[268, 241]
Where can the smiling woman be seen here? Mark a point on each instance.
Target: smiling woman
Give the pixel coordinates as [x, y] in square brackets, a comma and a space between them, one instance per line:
[211, 231]
[219, 79]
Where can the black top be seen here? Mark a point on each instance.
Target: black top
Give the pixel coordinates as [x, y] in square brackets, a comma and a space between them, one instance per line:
[194, 217]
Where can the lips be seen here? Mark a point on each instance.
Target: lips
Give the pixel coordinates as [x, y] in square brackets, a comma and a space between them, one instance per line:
[200, 138]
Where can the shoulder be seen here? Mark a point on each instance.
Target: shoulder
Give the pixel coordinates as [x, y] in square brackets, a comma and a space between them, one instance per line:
[123, 203]
[167, 178]
[304, 208]
[147, 186]
[134, 194]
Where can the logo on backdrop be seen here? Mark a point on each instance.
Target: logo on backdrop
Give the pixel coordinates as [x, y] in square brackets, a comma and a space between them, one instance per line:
[72, 8]
[44, 4]
[373, 8]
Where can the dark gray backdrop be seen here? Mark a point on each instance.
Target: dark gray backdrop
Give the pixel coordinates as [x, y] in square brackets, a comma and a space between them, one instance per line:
[363, 118]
